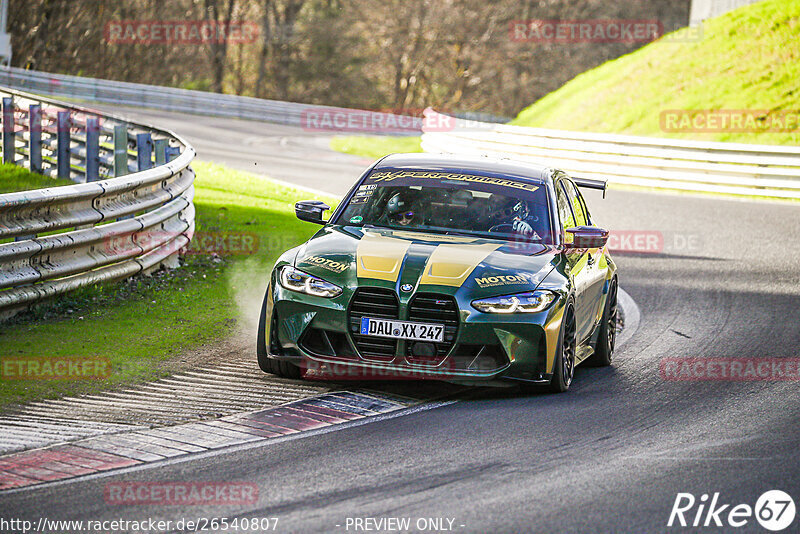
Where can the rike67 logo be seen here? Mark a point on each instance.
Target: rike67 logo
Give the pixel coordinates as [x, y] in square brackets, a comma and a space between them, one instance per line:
[774, 511]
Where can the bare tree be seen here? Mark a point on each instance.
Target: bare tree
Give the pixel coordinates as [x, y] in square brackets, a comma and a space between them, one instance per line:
[218, 48]
[454, 54]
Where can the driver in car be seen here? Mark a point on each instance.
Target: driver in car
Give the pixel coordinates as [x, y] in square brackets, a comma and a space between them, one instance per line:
[516, 214]
[400, 210]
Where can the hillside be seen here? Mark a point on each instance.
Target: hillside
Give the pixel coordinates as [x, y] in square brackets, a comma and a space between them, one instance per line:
[748, 59]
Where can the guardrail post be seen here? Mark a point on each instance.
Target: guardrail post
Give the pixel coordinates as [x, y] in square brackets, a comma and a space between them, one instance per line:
[144, 151]
[62, 147]
[43, 131]
[120, 150]
[35, 138]
[92, 149]
[9, 147]
[161, 151]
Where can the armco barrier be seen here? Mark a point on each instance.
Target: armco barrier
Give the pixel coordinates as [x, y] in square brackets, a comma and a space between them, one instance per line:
[130, 211]
[215, 104]
[173, 99]
[731, 168]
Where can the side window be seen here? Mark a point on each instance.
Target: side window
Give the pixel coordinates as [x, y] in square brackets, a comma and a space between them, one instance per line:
[578, 206]
[564, 210]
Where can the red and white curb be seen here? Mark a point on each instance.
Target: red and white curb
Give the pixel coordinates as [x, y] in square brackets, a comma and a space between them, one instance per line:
[208, 392]
[104, 453]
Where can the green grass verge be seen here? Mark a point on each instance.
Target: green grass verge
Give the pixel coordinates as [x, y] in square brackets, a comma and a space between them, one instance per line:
[13, 179]
[747, 59]
[139, 325]
[375, 146]
[731, 196]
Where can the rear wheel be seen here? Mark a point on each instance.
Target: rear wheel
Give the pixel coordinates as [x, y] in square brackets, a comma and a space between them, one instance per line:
[607, 336]
[267, 364]
[564, 365]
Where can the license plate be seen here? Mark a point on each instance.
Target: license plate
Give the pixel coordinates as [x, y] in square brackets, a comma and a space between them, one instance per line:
[402, 329]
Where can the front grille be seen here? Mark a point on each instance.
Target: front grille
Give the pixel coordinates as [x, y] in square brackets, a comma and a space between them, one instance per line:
[434, 308]
[379, 303]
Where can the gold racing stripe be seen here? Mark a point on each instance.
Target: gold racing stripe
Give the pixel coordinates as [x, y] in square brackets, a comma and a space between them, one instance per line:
[380, 257]
[551, 330]
[450, 265]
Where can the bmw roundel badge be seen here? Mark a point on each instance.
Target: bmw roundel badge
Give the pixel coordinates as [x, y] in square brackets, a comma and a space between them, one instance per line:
[406, 287]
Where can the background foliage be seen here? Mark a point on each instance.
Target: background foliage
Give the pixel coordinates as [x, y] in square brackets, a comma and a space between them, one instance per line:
[381, 54]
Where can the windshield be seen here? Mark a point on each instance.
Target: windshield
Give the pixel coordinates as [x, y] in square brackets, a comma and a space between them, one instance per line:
[437, 201]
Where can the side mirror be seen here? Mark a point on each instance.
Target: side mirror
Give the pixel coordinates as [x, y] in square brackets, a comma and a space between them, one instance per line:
[311, 211]
[587, 237]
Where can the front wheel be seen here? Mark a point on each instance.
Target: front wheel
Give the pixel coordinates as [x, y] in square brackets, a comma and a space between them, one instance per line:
[267, 364]
[564, 365]
[607, 336]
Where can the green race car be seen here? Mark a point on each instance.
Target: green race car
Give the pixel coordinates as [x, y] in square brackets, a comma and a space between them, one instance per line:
[470, 270]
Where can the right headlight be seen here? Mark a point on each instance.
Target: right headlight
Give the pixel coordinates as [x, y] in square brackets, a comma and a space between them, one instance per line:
[296, 280]
[528, 302]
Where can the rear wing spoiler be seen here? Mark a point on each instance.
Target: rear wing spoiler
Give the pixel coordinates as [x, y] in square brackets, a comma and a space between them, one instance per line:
[592, 184]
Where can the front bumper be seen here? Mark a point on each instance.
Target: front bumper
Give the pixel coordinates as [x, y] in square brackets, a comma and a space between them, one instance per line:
[316, 334]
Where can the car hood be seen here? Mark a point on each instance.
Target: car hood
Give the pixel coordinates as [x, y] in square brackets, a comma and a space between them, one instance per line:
[408, 260]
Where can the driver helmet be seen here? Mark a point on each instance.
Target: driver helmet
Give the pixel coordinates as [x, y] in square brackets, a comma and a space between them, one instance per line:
[505, 209]
[400, 209]
[520, 210]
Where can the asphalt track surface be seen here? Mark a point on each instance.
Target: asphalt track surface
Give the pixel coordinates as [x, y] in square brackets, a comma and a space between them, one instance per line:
[608, 456]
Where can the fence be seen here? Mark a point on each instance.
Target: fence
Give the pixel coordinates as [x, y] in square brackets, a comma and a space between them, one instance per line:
[205, 103]
[130, 211]
[730, 168]
[166, 98]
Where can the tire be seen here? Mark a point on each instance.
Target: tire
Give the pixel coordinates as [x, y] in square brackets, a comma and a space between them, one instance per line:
[267, 364]
[607, 336]
[564, 365]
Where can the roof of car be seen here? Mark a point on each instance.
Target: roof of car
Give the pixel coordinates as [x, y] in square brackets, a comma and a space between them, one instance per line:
[471, 164]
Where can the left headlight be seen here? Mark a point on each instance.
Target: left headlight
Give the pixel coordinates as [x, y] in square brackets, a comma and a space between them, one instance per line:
[529, 302]
[296, 280]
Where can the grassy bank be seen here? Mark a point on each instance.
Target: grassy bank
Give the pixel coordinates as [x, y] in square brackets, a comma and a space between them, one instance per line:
[375, 146]
[747, 59]
[13, 179]
[141, 324]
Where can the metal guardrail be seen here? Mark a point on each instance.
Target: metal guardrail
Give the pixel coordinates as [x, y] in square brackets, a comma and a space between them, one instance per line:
[130, 211]
[730, 168]
[219, 105]
[182, 100]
